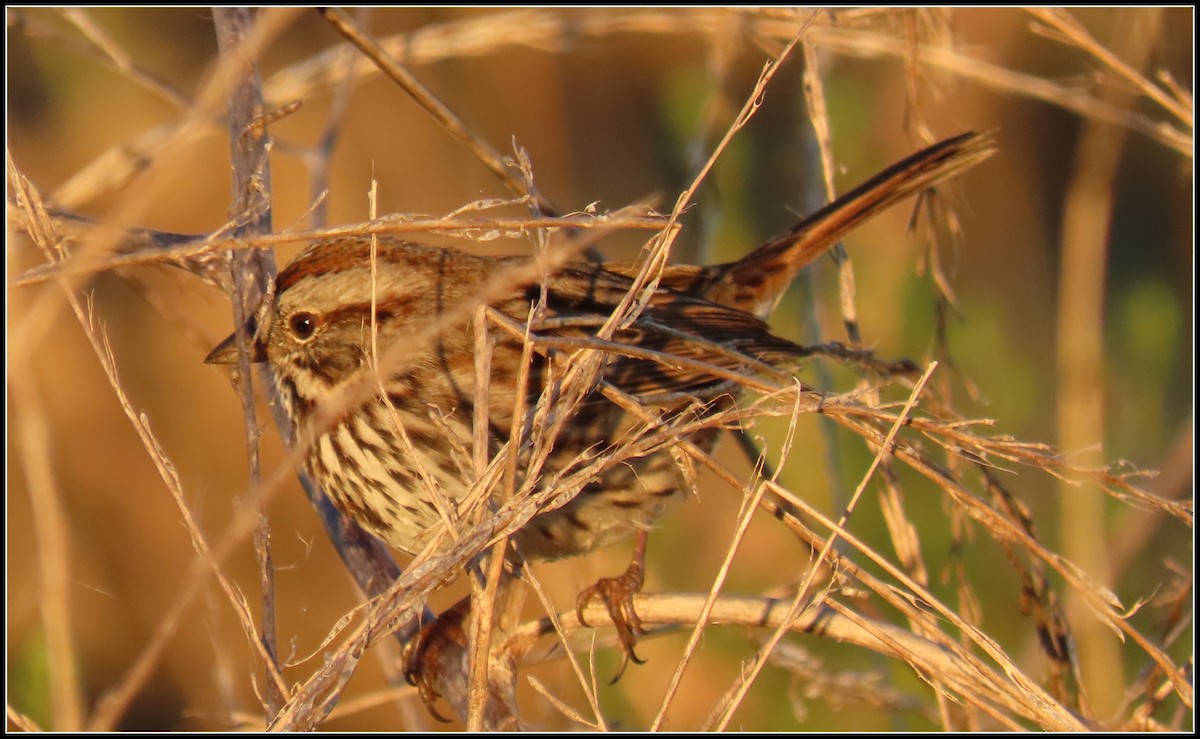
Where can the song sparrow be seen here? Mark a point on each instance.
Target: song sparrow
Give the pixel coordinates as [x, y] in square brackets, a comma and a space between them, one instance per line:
[378, 461]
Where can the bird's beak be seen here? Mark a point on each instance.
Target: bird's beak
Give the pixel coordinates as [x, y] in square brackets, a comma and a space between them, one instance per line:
[227, 351]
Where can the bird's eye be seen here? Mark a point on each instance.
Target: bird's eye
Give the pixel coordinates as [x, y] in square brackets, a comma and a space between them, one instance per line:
[303, 325]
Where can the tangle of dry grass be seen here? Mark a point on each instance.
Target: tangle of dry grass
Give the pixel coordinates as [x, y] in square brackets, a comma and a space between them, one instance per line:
[878, 594]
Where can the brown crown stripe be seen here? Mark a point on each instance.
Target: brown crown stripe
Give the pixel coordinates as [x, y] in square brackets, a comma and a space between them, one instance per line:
[330, 258]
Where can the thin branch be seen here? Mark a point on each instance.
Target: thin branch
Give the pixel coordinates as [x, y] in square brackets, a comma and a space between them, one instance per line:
[117, 699]
[155, 247]
[489, 156]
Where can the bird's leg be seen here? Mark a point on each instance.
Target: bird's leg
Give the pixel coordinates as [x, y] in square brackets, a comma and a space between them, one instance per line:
[424, 654]
[617, 595]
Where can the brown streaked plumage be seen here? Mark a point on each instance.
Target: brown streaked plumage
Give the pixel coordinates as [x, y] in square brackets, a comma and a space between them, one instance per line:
[316, 335]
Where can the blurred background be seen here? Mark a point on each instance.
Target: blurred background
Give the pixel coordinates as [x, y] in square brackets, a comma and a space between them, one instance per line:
[613, 106]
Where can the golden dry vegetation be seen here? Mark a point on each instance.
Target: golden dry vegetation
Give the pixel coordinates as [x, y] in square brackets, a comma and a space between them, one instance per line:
[1053, 287]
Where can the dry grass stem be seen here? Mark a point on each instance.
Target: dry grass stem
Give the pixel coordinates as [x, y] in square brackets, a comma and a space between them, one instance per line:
[154, 248]
[118, 697]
